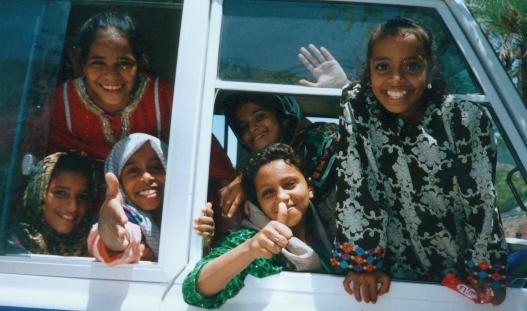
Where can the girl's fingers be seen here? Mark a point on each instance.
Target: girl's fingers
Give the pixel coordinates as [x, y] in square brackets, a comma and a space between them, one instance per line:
[366, 293]
[304, 82]
[309, 57]
[282, 213]
[356, 291]
[385, 285]
[205, 234]
[283, 230]
[266, 254]
[270, 246]
[317, 53]
[225, 200]
[346, 284]
[499, 296]
[234, 206]
[275, 236]
[326, 53]
[208, 211]
[372, 289]
[204, 228]
[304, 62]
[203, 220]
[112, 189]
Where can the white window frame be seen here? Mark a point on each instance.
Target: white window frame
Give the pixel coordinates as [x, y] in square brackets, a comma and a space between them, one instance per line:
[183, 158]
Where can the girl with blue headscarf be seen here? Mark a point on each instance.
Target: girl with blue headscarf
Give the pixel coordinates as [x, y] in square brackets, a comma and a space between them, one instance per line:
[135, 173]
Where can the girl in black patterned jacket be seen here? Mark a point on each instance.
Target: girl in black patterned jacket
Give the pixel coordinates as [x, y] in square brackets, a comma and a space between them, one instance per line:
[415, 185]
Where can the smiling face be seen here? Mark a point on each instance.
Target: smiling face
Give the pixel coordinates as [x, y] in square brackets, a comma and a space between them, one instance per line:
[143, 179]
[399, 75]
[66, 201]
[110, 71]
[278, 181]
[258, 126]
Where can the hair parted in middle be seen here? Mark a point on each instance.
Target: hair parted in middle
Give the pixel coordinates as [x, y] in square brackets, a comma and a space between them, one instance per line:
[402, 27]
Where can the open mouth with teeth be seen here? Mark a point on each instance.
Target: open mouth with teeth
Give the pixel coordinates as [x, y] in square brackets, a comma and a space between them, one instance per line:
[111, 88]
[392, 94]
[150, 193]
[259, 136]
[67, 217]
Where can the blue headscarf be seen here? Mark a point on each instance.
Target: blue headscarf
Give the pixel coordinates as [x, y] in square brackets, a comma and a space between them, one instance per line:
[122, 151]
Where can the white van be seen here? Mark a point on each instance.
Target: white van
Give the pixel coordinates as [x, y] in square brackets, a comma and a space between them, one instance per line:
[210, 46]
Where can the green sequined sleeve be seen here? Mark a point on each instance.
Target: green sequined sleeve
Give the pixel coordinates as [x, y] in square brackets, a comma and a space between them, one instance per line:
[261, 267]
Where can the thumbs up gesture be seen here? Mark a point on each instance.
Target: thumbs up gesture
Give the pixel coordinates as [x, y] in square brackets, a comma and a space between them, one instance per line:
[272, 238]
[112, 218]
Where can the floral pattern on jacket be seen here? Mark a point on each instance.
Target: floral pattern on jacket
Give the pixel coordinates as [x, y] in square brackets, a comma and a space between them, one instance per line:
[424, 193]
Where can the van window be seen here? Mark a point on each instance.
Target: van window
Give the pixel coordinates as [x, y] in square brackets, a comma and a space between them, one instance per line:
[343, 28]
[43, 53]
[258, 48]
[30, 63]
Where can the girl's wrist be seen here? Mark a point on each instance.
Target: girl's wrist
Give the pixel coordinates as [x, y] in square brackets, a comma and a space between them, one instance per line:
[247, 253]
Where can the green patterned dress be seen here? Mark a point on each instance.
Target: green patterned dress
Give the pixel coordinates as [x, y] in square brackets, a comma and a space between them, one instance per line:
[259, 268]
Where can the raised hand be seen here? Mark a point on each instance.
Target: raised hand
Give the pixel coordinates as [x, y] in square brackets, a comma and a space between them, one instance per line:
[204, 225]
[366, 283]
[231, 197]
[112, 218]
[324, 68]
[273, 237]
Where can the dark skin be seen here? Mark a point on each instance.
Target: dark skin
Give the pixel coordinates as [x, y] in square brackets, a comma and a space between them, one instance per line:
[365, 285]
[497, 298]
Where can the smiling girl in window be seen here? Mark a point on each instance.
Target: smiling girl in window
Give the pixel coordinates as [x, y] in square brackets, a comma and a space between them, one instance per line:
[58, 207]
[415, 187]
[274, 238]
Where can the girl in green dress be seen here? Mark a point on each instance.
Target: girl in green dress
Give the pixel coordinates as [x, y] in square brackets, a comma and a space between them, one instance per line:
[259, 119]
[273, 238]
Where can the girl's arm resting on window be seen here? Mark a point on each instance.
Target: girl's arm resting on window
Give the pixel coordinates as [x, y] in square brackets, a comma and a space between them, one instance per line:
[360, 237]
[487, 255]
[260, 267]
[220, 271]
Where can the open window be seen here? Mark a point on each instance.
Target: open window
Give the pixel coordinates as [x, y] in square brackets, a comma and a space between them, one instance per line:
[42, 54]
[253, 47]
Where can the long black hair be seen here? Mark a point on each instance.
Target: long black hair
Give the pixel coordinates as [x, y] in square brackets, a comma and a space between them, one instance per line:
[120, 22]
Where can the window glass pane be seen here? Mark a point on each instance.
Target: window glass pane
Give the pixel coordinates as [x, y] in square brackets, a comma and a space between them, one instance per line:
[260, 40]
[511, 193]
[41, 33]
[29, 64]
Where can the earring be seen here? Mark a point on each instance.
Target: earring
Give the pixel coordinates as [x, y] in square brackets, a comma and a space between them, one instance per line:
[429, 85]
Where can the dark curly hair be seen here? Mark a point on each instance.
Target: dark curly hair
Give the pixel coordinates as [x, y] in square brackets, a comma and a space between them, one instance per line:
[400, 26]
[272, 152]
[120, 22]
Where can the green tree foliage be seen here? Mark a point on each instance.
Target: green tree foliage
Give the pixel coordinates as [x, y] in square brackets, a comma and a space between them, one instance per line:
[505, 24]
